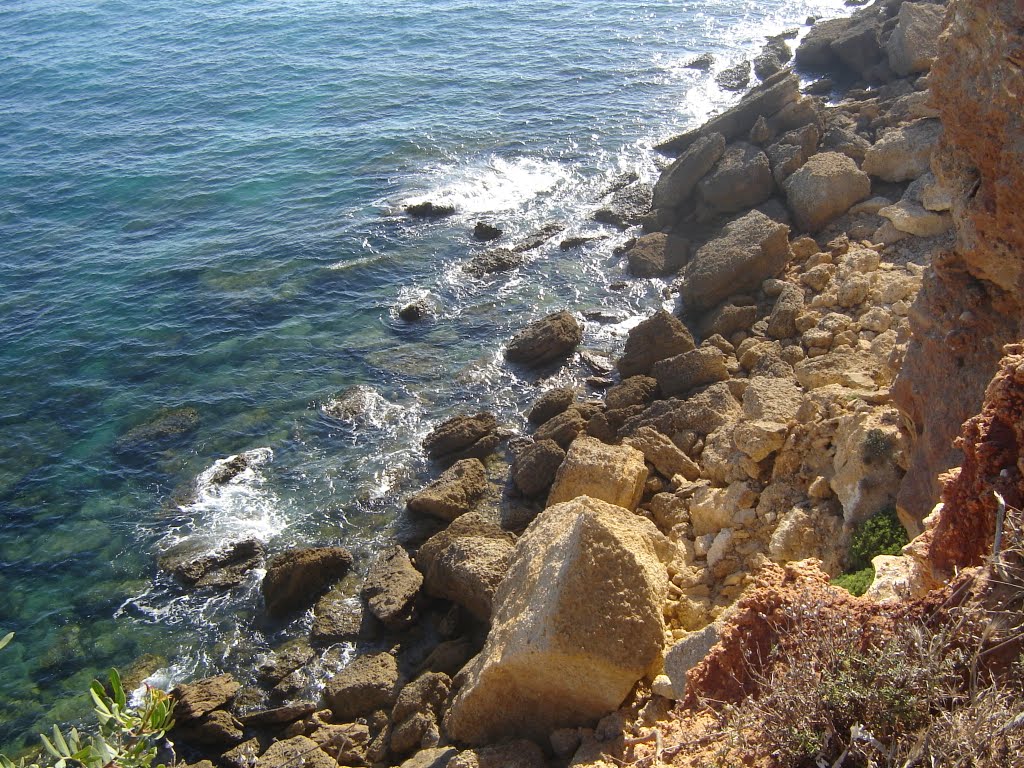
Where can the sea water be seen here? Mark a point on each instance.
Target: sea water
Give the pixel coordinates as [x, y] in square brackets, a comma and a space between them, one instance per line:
[201, 206]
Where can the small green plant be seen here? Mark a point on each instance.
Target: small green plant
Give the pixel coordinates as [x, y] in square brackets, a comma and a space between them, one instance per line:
[880, 534]
[127, 736]
[876, 447]
[856, 583]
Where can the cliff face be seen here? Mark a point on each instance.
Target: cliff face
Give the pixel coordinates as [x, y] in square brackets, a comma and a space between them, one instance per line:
[972, 301]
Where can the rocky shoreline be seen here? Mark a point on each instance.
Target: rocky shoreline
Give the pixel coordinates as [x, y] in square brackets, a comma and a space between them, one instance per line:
[599, 586]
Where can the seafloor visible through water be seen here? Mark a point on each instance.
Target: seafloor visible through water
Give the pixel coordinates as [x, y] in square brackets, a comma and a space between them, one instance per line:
[200, 209]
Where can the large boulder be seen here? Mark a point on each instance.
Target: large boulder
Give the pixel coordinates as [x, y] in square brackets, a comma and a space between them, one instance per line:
[660, 336]
[815, 51]
[657, 255]
[678, 181]
[914, 43]
[903, 153]
[750, 249]
[741, 179]
[823, 188]
[551, 403]
[367, 684]
[196, 700]
[454, 493]
[627, 207]
[298, 750]
[612, 473]
[551, 338]
[296, 578]
[690, 370]
[466, 562]
[462, 437]
[391, 587]
[577, 622]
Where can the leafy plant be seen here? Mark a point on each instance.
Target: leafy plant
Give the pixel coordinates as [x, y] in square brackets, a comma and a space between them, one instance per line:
[127, 736]
[880, 534]
[856, 583]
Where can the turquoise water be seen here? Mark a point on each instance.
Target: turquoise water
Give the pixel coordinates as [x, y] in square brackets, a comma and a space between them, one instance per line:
[200, 206]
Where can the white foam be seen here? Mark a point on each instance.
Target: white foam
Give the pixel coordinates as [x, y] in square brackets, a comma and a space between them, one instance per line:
[493, 184]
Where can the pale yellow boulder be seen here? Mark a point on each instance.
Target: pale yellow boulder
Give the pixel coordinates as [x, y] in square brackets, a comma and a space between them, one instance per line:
[612, 473]
[576, 623]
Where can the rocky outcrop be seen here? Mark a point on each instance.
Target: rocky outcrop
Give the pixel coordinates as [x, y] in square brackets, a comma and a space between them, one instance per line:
[551, 403]
[613, 474]
[824, 187]
[751, 248]
[534, 467]
[678, 181]
[391, 587]
[223, 569]
[577, 622]
[549, 339]
[657, 255]
[454, 493]
[913, 44]
[660, 336]
[296, 578]
[368, 683]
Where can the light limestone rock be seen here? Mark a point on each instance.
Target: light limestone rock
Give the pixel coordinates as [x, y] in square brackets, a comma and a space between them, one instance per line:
[903, 153]
[576, 623]
[897, 579]
[913, 218]
[454, 493]
[823, 188]
[615, 474]
[660, 451]
[803, 533]
[759, 439]
[913, 45]
[770, 399]
[712, 509]
[867, 472]
[687, 653]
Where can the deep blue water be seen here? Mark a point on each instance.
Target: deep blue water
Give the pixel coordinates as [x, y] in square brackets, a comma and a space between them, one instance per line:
[200, 206]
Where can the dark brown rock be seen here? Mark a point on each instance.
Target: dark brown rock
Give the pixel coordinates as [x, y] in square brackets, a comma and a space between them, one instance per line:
[299, 750]
[678, 181]
[463, 437]
[297, 577]
[551, 403]
[416, 713]
[636, 390]
[429, 210]
[391, 587]
[485, 232]
[562, 428]
[494, 260]
[546, 340]
[690, 370]
[534, 467]
[220, 570]
[195, 700]
[741, 179]
[289, 713]
[657, 255]
[660, 336]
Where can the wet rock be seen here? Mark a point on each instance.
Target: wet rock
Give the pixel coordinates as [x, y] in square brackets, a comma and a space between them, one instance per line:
[299, 750]
[356, 403]
[297, 577]
[196, 700]
[485, 232]
[429, 210]
[466, 562]
[462, 437]
[414, 719]
[614, 474]
[903, 153]
[454, 493]
[627, 207]
[572, 633]
[414, 311]
[678, 181]
[391, 587]
[289, 713]
[551, 403]
[734, 78]
[537, 239]
[221, 570]
[773, 57]
[546, 340]
[684, 373]
[703, 63]
[741, 179]
[660, 451]
[367, 684]
[598, 364]
[340, 618]
[913, 44]
[166, 427]
[217, 729]
[824, 188]
[657, 255]
[660, 336]
[230, 468]
[494, 260]
[534, 468]
[285, 660]
[751, 249]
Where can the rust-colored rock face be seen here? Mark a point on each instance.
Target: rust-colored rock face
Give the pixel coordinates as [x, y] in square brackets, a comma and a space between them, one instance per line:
[992, 443]
[972, 303]
[978, 86]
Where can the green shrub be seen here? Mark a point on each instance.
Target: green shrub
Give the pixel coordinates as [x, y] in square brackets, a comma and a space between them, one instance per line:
[856, 583]
[881, 534]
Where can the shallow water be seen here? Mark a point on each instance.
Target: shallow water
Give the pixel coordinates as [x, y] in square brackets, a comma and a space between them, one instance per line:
[200, 205]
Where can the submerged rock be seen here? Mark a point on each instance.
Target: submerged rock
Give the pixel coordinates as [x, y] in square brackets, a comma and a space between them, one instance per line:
[486, 232]
[223, 569]
[166, 427]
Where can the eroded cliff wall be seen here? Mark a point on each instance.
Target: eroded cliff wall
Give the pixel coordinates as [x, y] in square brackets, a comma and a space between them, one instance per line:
[972, 301]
